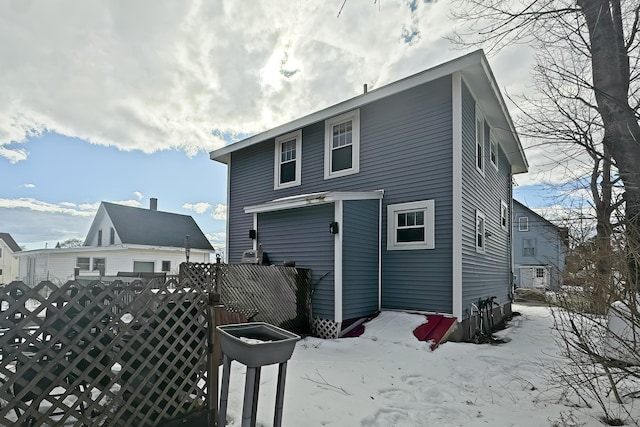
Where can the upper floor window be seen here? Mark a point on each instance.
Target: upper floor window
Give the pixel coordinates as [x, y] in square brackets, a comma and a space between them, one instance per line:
[493, 150]
[480, 231]
[504, 213]
[288, 160]
[99, 237]
[342, 145]
[411, 225]
[528, 247]
[112, 236]
[523, 223]
[0, 252]
[479, 142]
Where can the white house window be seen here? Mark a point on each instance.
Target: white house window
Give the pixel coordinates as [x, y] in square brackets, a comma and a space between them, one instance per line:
[411, 225]
[112, 237]
[288, 160]
[479, 142]
[99, 264]
[166, 265]
[83, 263]
[528, 247]
[99, 237]
[480, 231]
[493, 151]
[504, 213]
[540, 272]
[342, 145]
[523, 223]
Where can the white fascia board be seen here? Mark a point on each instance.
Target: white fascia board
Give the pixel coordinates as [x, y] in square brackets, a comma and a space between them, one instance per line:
[311, 199]
[79, 250]
[157, 248]
[473, 59]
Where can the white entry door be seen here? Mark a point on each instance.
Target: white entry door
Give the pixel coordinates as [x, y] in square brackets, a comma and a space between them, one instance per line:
[540, 277]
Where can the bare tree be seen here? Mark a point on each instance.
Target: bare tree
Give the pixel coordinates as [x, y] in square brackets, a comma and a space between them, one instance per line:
[590, 47]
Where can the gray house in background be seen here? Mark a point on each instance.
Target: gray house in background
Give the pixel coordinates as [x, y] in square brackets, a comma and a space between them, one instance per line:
[397, 199]
[539, 249]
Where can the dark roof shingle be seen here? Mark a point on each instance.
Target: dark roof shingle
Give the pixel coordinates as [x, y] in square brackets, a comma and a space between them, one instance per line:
[155, 228]
[10, 242]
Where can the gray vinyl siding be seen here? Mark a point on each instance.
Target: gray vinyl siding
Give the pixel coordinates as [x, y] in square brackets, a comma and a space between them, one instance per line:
[302, 235]
[406, 150]
[360, 265]
[483, 274]
[549, 247]
[419, 168]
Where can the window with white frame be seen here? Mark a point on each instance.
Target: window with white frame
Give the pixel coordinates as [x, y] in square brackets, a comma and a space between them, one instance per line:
[479, 142]
[504, 214]
[342, 145]
[83, 263]
[411, 225]
[523, 223]
[480, 231]
[288, 160]
[493, 150]
[99, 264]
[528, 247]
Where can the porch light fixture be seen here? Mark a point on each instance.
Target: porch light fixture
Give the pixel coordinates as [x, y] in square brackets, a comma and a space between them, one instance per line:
[333, 227]
[253, 234]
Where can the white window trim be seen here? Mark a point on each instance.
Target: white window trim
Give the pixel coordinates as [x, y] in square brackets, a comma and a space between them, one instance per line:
[429, 218]
[355, 144]
[480, 215]
[493, 149]
[479, 116]
[504, 215]
[522, 227]
[297, 135]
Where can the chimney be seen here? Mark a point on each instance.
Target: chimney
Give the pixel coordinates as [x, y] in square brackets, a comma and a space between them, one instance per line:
[153, 204]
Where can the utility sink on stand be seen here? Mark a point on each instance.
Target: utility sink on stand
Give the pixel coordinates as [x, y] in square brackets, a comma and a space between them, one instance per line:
[254, 345]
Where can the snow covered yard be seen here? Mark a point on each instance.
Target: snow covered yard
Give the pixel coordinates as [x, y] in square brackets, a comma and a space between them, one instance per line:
[388, 378]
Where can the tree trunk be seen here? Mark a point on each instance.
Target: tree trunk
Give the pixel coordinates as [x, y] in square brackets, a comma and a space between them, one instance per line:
[610, 68]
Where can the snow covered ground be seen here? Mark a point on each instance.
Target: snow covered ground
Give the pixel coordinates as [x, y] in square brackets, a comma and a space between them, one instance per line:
[388, 378]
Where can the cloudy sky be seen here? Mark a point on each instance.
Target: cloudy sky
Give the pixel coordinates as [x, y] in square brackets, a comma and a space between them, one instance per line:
[122, 101]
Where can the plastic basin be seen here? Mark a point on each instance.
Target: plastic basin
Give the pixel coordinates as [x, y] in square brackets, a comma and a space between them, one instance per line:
[257, 344]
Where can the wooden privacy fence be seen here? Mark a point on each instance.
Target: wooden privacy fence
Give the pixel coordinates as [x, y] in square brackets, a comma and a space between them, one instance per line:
[127, 354]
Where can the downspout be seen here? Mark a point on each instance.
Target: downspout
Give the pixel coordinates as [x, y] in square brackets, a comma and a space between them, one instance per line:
[380, 252]
[511, 257]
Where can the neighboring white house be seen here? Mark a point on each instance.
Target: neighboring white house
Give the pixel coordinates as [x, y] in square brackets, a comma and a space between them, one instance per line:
[122, 239]
[8, 259]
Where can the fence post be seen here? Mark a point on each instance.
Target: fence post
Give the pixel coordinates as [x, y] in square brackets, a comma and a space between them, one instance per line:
[214, 315]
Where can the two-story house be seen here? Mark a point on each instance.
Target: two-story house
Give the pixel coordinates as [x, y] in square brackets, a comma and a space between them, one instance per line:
[397, 199]
[121, 239]
[8, 258]
[539, 249]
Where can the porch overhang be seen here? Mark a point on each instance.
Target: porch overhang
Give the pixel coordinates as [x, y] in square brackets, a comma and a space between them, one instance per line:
[311, 199]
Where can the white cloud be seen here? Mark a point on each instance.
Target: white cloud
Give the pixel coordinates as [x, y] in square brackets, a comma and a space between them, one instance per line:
[138, 195]
[14, 155]
[30, 186]
[160, 74]
[220, 212]
[40, 206]
[130, 202]
[200, 207]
